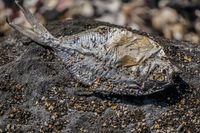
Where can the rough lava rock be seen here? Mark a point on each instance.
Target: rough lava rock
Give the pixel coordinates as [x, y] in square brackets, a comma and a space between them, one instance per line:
[38, 94]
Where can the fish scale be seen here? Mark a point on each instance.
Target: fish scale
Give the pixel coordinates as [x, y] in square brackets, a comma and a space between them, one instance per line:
[108, 59]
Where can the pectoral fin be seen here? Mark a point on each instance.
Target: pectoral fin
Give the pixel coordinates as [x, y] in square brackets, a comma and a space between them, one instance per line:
[126, 60]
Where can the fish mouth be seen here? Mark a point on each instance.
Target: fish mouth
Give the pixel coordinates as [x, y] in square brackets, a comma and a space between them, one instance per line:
[175, 76]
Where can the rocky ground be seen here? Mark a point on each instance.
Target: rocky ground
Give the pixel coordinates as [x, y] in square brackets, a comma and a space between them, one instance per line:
[38, 94]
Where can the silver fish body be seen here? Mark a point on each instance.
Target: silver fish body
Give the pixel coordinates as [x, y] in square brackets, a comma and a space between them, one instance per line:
[108, 59]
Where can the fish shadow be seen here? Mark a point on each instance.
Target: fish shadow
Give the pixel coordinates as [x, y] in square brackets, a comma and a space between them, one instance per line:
[166, 97]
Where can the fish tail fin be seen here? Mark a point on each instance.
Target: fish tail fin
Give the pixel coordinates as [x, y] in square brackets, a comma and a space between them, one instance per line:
[37, 32]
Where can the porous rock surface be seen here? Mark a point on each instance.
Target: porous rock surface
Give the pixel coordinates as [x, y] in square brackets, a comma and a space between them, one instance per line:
[38, 94]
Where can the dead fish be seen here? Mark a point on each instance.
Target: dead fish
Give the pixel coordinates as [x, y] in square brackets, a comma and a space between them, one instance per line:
[108, 59]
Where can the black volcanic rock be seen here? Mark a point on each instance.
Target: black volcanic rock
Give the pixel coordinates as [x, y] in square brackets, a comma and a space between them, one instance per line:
[37, 93]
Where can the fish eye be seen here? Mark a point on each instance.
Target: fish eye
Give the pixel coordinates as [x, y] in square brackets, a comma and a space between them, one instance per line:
[159, 77]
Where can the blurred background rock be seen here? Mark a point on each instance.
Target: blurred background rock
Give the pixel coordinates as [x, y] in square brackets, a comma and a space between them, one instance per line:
[178, 19]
